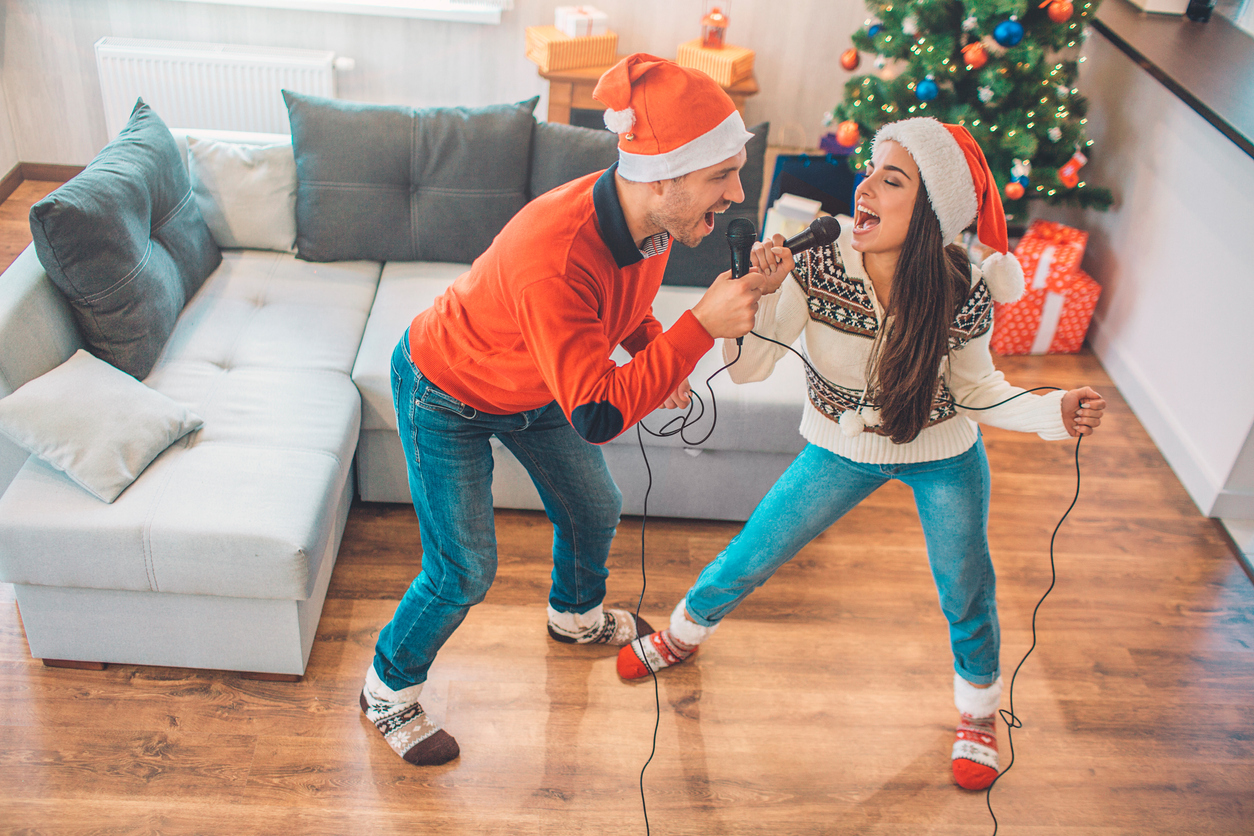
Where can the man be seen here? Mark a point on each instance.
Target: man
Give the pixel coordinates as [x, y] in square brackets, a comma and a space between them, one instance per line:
[519, 348]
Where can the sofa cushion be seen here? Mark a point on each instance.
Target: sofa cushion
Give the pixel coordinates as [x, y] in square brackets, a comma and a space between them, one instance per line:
[698, 266]
[397, 184]
[126, 244]
[245, 507]
[95, 423]
[246, 193]
[561, 153]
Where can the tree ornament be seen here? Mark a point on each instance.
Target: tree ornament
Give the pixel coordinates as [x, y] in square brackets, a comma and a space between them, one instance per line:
[927, 90]
[850, 59]
[1069, 174]
[1008, 32]
[985, 94]
[873, 27]
[1019, 171]
[1055, 133]
[880, 63]
[1059, 10]
[975, 55]
[969, 24]
[1014, 190]
[847, 133]
[910, 25]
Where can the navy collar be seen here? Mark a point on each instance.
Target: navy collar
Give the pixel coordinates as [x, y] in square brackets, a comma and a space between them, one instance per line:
[613, 223]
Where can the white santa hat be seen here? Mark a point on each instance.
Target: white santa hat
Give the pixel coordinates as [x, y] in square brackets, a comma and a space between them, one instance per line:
[961, 188]
[670, 120]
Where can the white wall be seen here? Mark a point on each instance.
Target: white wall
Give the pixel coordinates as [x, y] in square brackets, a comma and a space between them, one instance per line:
[8, 147]
[1175, 257]
[54, 94]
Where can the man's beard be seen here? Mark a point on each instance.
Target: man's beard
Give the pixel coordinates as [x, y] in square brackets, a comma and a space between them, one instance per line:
[678, 216]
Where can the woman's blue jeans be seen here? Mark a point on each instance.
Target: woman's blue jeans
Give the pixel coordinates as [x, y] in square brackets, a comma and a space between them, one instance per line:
[449, 457]
[820, 487]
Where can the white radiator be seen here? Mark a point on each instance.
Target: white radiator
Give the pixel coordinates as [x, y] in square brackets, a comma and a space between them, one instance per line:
[218, 86]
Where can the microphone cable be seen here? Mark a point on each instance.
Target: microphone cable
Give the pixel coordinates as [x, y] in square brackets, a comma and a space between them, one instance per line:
[685, 421]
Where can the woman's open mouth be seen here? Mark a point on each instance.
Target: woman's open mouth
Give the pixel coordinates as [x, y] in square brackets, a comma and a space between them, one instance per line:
[864, 219]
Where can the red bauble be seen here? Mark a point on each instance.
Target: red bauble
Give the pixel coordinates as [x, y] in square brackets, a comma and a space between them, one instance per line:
[850, 59]
[975, 55]
[847, 133]
[1060, 11]
[1014, 190]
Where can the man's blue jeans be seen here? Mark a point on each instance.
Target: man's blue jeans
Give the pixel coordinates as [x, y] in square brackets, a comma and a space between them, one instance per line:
[820, 487]
[449, 456]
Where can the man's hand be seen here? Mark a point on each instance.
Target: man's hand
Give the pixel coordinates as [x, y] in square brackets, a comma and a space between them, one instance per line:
[1082, 411]
[680, 398]
[729, 306]
[774, 262]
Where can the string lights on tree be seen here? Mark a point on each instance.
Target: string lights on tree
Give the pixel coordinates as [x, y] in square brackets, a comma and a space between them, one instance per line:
[1005, 69]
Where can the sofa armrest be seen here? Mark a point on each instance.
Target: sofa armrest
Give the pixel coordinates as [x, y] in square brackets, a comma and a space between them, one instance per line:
[37, 334]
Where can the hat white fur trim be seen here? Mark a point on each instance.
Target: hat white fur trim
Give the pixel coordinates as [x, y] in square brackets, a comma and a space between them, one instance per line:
[977, 702]
[943, 167]
[711, 148]
[620, 121]
[1004, 276]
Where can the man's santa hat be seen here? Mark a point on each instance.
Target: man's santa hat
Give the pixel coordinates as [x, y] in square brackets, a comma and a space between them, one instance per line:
[670, 120]
[961, 188]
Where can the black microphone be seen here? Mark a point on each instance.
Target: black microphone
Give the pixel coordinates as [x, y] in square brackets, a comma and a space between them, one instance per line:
[741, 236]
[821, 232]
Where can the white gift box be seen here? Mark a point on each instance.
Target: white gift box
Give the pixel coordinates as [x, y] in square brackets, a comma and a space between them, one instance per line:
[790, 214]
[580, 21]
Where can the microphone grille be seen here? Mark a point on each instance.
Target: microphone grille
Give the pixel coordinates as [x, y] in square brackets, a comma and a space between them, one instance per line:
[825, 229]
[742, 228]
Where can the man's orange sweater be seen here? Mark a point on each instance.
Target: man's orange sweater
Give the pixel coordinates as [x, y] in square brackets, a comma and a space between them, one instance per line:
[539, 313]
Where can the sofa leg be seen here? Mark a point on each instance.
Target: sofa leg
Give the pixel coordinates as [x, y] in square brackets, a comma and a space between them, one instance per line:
[80, 666]
[270, 677]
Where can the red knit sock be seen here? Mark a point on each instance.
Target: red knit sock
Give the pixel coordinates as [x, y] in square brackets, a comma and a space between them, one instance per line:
[654, 651]
[975, 752]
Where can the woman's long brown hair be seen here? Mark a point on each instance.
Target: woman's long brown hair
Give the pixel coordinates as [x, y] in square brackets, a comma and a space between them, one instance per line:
[931, 282]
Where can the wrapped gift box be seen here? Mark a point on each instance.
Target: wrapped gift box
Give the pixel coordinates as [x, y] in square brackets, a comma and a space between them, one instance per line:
[580, 21]
[1054, 313]
[552, 49]
[726, 66]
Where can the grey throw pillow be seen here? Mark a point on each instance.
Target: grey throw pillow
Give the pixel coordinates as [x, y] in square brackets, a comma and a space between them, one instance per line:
[391, 183]
[561, 153]
[125, 242]
[698, 266]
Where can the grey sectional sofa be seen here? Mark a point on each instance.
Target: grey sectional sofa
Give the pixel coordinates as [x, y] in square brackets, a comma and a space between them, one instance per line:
[219, 554]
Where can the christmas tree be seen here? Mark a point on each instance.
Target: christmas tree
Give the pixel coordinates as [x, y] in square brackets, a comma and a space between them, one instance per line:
[1004, 69]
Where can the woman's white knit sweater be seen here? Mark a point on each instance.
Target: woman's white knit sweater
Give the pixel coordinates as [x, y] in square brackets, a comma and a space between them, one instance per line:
[831, 299]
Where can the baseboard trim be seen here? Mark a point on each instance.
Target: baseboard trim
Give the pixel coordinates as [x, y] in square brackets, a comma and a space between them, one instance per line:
[22, 172]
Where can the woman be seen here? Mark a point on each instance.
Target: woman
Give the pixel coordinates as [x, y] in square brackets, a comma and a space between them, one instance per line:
[897, 328]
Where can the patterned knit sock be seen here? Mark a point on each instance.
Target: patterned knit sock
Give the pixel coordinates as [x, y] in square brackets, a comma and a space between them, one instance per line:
[403, 723]
[661, 650]
[596, 626]
[975, 743]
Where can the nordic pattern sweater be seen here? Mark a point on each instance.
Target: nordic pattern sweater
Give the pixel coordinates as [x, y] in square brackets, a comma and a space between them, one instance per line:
[831, 299]
[538, 315]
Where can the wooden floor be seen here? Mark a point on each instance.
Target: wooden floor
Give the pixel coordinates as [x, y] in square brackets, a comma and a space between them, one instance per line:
[823, 706]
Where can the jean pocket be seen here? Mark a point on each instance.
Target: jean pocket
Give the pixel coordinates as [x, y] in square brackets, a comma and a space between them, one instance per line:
[432, 397]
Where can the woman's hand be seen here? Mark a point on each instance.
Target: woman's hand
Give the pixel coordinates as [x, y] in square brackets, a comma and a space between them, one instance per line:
[680, 398]
[774, 262]
[1082, 411]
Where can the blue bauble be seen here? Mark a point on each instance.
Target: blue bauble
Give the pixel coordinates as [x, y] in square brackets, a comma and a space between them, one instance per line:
[874, 29]
[926, 90]
[1008, 32]
[1022, 180]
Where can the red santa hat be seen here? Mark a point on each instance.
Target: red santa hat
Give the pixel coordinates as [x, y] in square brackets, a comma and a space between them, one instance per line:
[670, 120]
[961, 188]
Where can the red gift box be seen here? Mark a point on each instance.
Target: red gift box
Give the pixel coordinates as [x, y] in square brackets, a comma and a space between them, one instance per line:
[1054, 313]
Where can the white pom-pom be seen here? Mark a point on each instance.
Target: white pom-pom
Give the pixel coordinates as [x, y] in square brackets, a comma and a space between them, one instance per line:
[620, 121]
[870, 416]
[851, 423]
[1004, 276]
